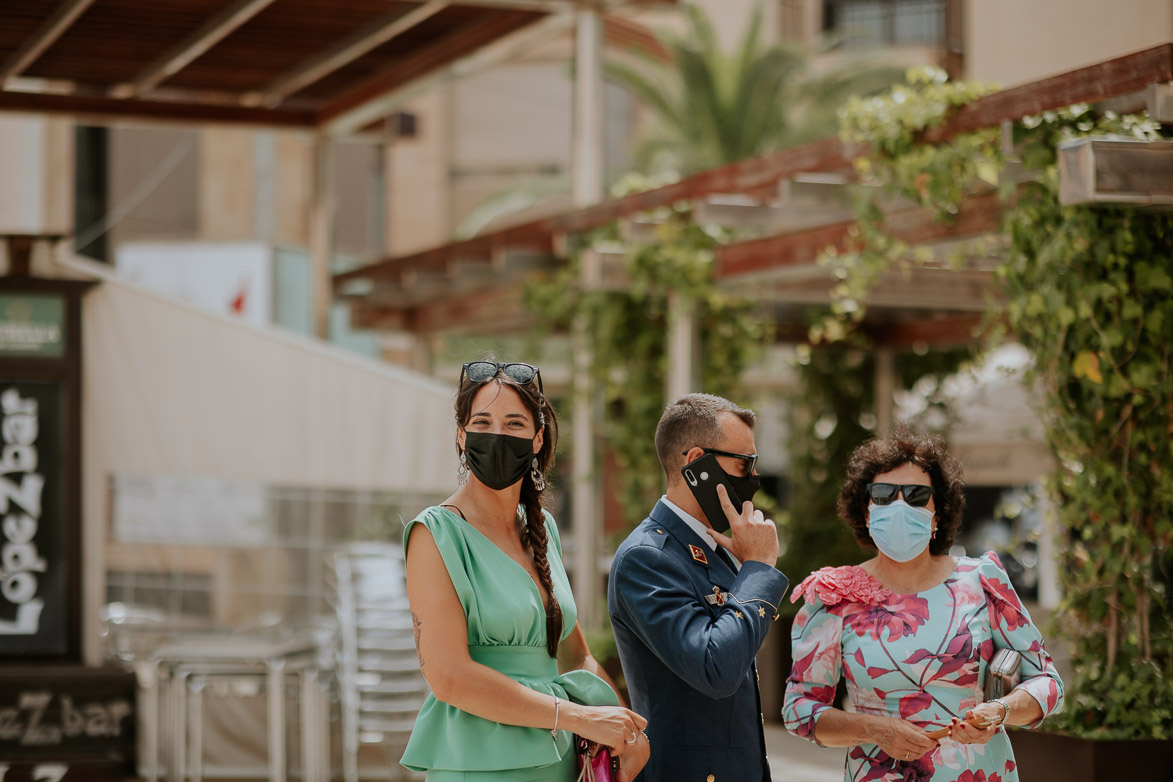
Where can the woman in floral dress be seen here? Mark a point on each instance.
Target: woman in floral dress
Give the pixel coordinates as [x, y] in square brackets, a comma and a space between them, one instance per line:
[913, 631]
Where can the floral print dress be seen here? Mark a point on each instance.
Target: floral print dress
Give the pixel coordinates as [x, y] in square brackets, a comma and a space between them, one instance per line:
[919, 657]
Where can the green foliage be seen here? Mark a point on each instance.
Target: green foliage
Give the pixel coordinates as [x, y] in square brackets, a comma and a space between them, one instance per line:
[713, 107]
[899, 164]
[1089, 293]
[830, 416]
[628, 331]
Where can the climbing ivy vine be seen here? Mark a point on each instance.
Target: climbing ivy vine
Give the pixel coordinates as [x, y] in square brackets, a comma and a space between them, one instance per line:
[1089, 292]
[628, 329]
[1091, 295]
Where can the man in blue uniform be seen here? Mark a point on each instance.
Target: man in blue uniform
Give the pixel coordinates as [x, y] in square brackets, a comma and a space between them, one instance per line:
[688, 617]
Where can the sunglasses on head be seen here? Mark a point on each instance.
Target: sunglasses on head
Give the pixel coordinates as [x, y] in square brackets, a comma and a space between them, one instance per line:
[915, 494]
[517, 371]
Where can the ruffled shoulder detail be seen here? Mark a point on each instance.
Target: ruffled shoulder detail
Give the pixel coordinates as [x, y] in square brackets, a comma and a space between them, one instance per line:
[833, 585]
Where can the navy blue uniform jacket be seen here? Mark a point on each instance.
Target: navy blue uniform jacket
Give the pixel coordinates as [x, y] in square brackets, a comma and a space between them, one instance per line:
[688, 631]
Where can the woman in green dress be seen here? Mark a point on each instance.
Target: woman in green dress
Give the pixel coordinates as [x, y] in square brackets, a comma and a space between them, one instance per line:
[495, 622]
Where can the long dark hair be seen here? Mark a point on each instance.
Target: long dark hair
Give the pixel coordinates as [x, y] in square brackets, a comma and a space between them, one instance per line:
[533, 530]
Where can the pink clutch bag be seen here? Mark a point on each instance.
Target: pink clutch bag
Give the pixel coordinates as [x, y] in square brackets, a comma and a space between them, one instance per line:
[595, 763]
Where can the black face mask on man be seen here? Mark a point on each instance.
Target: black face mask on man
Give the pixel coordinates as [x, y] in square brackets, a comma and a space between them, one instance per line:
[745, 487]
[498, 460]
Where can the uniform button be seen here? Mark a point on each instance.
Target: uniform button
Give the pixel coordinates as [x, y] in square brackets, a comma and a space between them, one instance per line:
[763, 716]
[660, 531]
[710, 778]
[757, 675]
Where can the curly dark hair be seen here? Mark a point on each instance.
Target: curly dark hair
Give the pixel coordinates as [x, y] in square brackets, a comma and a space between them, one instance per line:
[927, 452]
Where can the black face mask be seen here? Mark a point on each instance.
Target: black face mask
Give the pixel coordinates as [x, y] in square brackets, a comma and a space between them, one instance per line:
[498, 460]
[745, 486]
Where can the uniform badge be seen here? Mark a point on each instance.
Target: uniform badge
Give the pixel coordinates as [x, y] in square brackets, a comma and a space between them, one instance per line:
[698, 554]
[718, 598]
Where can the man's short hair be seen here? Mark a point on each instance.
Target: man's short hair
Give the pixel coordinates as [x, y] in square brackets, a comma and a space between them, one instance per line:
[690, 421]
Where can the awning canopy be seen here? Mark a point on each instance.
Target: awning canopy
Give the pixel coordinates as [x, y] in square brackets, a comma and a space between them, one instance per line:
[334, 65]
[475, 285]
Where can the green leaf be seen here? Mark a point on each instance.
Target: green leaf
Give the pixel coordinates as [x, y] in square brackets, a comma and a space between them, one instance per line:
[1154, 321]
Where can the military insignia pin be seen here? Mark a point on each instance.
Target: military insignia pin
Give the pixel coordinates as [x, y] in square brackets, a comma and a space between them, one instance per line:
[719, 596]
[698, 554]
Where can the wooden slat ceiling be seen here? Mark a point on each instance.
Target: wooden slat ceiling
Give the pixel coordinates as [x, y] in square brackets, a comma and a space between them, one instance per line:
[779, 269]
[279, 62]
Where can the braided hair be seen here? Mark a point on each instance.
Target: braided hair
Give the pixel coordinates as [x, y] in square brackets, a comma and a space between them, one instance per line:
[534, 534]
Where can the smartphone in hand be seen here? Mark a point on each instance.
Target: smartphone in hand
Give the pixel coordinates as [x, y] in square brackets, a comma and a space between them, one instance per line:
[703, 476]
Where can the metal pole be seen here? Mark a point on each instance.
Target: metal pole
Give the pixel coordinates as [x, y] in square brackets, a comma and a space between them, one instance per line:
[322, 234]
[588, 189]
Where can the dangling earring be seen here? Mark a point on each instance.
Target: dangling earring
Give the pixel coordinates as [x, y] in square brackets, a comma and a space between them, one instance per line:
[536, 476]
[462, 470]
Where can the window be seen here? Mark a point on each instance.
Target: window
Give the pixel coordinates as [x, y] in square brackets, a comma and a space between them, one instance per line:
[863, 23]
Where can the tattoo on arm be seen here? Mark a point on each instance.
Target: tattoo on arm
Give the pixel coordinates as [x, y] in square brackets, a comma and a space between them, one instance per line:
[415, 627]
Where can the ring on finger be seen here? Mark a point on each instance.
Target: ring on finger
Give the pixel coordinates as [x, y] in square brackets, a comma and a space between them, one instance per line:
[632, 740]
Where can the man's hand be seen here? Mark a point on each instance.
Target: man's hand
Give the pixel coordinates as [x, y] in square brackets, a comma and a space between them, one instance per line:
[754, 536]
[632, 757]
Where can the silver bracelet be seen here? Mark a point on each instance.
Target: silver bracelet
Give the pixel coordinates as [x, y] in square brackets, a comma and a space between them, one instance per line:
[554, 730]
[1005, 709]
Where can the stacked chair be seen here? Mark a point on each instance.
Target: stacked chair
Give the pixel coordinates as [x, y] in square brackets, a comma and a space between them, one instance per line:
[380, 685]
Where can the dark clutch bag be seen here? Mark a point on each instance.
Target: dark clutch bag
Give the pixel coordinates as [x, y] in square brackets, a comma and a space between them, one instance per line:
[595, 763]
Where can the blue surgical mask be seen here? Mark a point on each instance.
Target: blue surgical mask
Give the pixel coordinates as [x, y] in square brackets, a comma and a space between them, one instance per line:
[899, 530]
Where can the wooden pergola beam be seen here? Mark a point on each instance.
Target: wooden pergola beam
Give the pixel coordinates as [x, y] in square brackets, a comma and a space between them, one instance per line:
[208, 35]
[1130, 73]
[383, 84]
[979, 214]
[746, 176]
[945, 331]
[348, 51]
[53, 28]
[533, 237]
[499, 309]
[84, 106]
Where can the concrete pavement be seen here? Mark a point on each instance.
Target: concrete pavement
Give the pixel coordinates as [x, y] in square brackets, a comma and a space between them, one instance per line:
[797, 760]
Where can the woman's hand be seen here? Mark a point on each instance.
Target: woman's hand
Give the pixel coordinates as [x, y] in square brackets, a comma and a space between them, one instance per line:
[609, 726]
[900, 739]
[981, 723]
[967, 733]
[632, 757]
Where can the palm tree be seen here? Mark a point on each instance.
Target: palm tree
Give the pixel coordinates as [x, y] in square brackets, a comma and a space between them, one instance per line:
[712, 107]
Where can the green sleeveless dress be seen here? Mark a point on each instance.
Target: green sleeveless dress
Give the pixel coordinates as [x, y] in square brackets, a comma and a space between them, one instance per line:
[507, 632]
